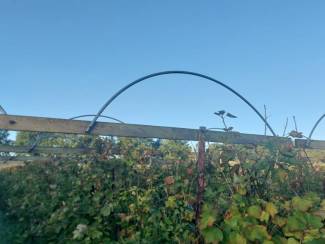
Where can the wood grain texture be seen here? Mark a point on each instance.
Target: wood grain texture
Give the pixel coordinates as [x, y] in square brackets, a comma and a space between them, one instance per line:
[24, 159]
[313, 144]
[39, 124]
[53, 150]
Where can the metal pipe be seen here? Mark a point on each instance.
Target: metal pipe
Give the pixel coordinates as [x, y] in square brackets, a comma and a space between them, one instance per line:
[200, 180]
[102, 116]
[93, 123]
[315, 126]
[2, 110]
[40, 138]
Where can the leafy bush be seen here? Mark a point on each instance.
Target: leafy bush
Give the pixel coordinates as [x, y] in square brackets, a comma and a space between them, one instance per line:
[147, 194]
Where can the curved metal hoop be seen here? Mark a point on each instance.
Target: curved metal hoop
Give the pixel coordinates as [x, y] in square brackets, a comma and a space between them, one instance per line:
[315, 127]
[2, 110]
[40, 138]
[101, 116]
[93, 123]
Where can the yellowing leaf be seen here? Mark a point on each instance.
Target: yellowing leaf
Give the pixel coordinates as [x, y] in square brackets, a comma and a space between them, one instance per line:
[268, 242]
[271, 209]
[282, 175]
[265, 216]
[206, 221]
[171, 202]
[236, 238]
[254, 211]
[279, 221]
[208, 217]
[301, 204]
[287, 205]
[320, 213]
[212, 235]
[293, 241]
[257, 233]
[323, 205]
[242, 190]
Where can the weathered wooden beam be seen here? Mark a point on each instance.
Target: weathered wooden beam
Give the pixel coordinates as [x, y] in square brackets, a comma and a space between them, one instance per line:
[313, 144]
[24, 158]
[40, 124]
[10, 164]
[53, 150]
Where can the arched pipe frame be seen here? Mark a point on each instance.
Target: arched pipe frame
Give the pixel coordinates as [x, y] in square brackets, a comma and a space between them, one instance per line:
[2, 110]
[125, 88]
[40, 138]
[315, 127]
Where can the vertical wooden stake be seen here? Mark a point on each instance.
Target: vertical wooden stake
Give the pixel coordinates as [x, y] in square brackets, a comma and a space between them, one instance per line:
[201, 180]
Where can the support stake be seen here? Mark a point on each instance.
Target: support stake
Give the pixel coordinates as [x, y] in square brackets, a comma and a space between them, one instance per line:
[201, 180]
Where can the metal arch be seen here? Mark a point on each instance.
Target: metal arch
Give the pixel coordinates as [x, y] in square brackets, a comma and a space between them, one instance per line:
[2, 110]
[93, 123]
[40, 138]
[315, 127]
[101, 116]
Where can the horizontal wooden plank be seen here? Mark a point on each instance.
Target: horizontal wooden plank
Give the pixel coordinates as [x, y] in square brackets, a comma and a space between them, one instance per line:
[53, 150]
[313, 144]
[24, 158]
[39, 124]
[10, 164]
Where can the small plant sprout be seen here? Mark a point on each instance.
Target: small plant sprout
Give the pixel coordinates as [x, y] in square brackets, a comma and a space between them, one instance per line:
[222, 114]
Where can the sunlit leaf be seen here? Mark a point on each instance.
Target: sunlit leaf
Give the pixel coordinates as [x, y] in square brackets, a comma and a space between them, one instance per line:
[301, 204]
[271, 209]
[254, 211]
[212, 235]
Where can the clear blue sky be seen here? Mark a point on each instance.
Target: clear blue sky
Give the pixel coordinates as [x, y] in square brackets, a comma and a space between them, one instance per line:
[65, 58]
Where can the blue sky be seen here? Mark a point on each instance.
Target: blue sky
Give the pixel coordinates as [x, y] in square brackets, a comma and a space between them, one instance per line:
[66, 58]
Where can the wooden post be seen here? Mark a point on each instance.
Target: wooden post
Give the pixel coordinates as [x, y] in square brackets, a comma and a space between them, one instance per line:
[200, 169]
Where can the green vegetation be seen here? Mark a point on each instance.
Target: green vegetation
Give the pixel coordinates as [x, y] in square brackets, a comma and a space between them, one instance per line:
[144, 191]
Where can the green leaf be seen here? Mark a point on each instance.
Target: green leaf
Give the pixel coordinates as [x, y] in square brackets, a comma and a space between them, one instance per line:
[293, 241]
[318, 241]
[257, 233]
[314, 222]
[95, 234]
[254, 211]
[301, 204]
[297, 222]
[212, 235]
[106, 210]
[236, 238]
[279, 240]
[313, 197]
[80, 231]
